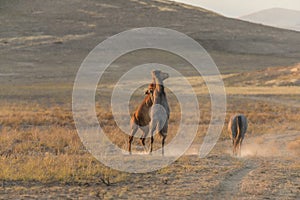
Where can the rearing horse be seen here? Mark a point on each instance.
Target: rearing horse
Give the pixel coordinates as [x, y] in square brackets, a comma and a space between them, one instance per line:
[160, 111]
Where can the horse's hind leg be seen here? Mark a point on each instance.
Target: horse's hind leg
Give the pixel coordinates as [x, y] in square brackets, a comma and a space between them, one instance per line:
[163, 144]
[240, 147]
[233, 150]
[233, 147]
[145, 130]
[133, 132]
[163, 133]
[152, 129]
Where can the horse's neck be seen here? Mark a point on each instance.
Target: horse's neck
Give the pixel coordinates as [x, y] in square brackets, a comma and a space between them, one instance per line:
[158, 81]
[159, 85]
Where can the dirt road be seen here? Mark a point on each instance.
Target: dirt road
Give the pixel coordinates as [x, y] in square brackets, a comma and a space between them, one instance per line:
[267, 155]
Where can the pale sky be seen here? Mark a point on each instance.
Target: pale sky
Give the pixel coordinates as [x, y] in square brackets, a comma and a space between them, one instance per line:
[237, 8]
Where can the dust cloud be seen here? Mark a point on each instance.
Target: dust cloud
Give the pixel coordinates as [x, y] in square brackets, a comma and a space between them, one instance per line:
[272, 145]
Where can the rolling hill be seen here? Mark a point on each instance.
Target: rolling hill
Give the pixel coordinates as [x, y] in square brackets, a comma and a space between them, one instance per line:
[272, 76]
[47, 41]
[277, 17]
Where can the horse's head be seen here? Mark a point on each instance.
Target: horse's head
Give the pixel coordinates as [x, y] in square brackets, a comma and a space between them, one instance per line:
[150, 90]
[149, 94]
[160, 75]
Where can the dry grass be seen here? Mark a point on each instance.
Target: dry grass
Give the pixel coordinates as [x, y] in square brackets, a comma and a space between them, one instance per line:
[40, 143]
[273, 76]
[294, 146]
[24, 115]
[48, 154]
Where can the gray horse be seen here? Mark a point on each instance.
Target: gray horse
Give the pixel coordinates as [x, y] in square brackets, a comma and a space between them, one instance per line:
[160, 110]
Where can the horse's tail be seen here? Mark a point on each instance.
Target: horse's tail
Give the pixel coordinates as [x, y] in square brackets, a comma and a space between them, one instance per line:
[239, 125]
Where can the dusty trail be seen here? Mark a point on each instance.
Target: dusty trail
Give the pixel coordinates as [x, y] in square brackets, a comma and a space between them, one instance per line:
[230, 186]
[256, 151]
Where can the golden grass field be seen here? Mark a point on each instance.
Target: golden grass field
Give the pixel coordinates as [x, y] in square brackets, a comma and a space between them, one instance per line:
[40, 149]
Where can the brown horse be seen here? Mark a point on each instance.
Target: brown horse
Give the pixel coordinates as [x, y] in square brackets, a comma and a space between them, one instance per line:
[141, 118]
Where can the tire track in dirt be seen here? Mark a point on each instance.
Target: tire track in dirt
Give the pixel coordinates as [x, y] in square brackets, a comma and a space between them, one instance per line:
[229, 188]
